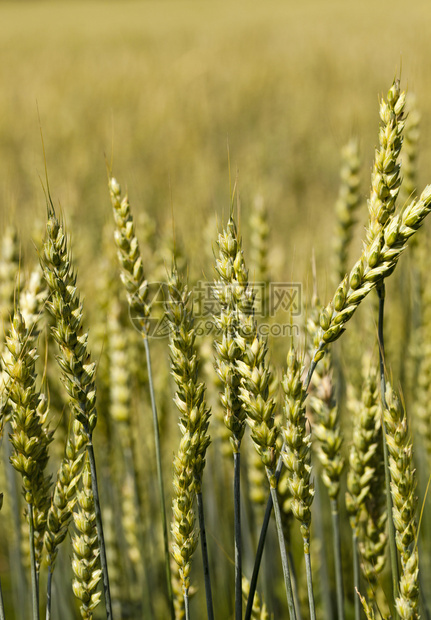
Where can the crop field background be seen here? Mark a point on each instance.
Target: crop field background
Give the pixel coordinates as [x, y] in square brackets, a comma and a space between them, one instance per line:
[194, 107]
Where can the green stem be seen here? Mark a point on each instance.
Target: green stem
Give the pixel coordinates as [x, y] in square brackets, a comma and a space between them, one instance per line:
[143, 573]
[259, 553]
[324, 554]
[34, 588]
[294, 585]
[160, 477]
[186, 604]
[2, 616]
[205, 562]
[392, 544]
[99, 527]
[423, 600]
[309, 578]
[337, 558]
[356, 575]
[48, 594]
[284, 561]
[237, 534]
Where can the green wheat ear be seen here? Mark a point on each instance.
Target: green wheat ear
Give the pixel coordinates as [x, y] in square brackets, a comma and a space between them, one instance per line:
[365, 497]
[129, 256]
[86, 560]
[377, 262]
[64, 494]
[30, 439]
[66, 308]
[403, 491]
[386, 177]
[78, 371]
[346, 206]
[30, 436]
[236, 301]
[297, 444]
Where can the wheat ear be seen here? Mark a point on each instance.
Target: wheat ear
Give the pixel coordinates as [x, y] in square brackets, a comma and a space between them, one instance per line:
[189, 462]
[260, 409]
[328, 433]
[346, 205]
[385, 177]
[74, 359]
[365, 498]
[259, 610]
[377, 262]
[403, 490]
[86, 554]
[236, 319]
[30, 439]
[296, 455]
[9, 283]
[63, 499]
[410, 149]
[133, 278]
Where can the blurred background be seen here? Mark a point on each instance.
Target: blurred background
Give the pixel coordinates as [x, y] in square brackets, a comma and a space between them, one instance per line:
[161, 88]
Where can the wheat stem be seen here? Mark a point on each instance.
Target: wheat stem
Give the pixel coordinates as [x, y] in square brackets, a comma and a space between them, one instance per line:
[237, 534]
[2, 616]
[205, 561]
[186, 603]
[48, 593]
[284, 559]
[34, 579]
[259, 552]
[356, 574]
[159, 475]
[309, 579]
[335, 515]
[294, 582]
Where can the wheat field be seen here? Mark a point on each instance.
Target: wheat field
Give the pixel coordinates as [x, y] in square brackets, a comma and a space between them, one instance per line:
[214, 291]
